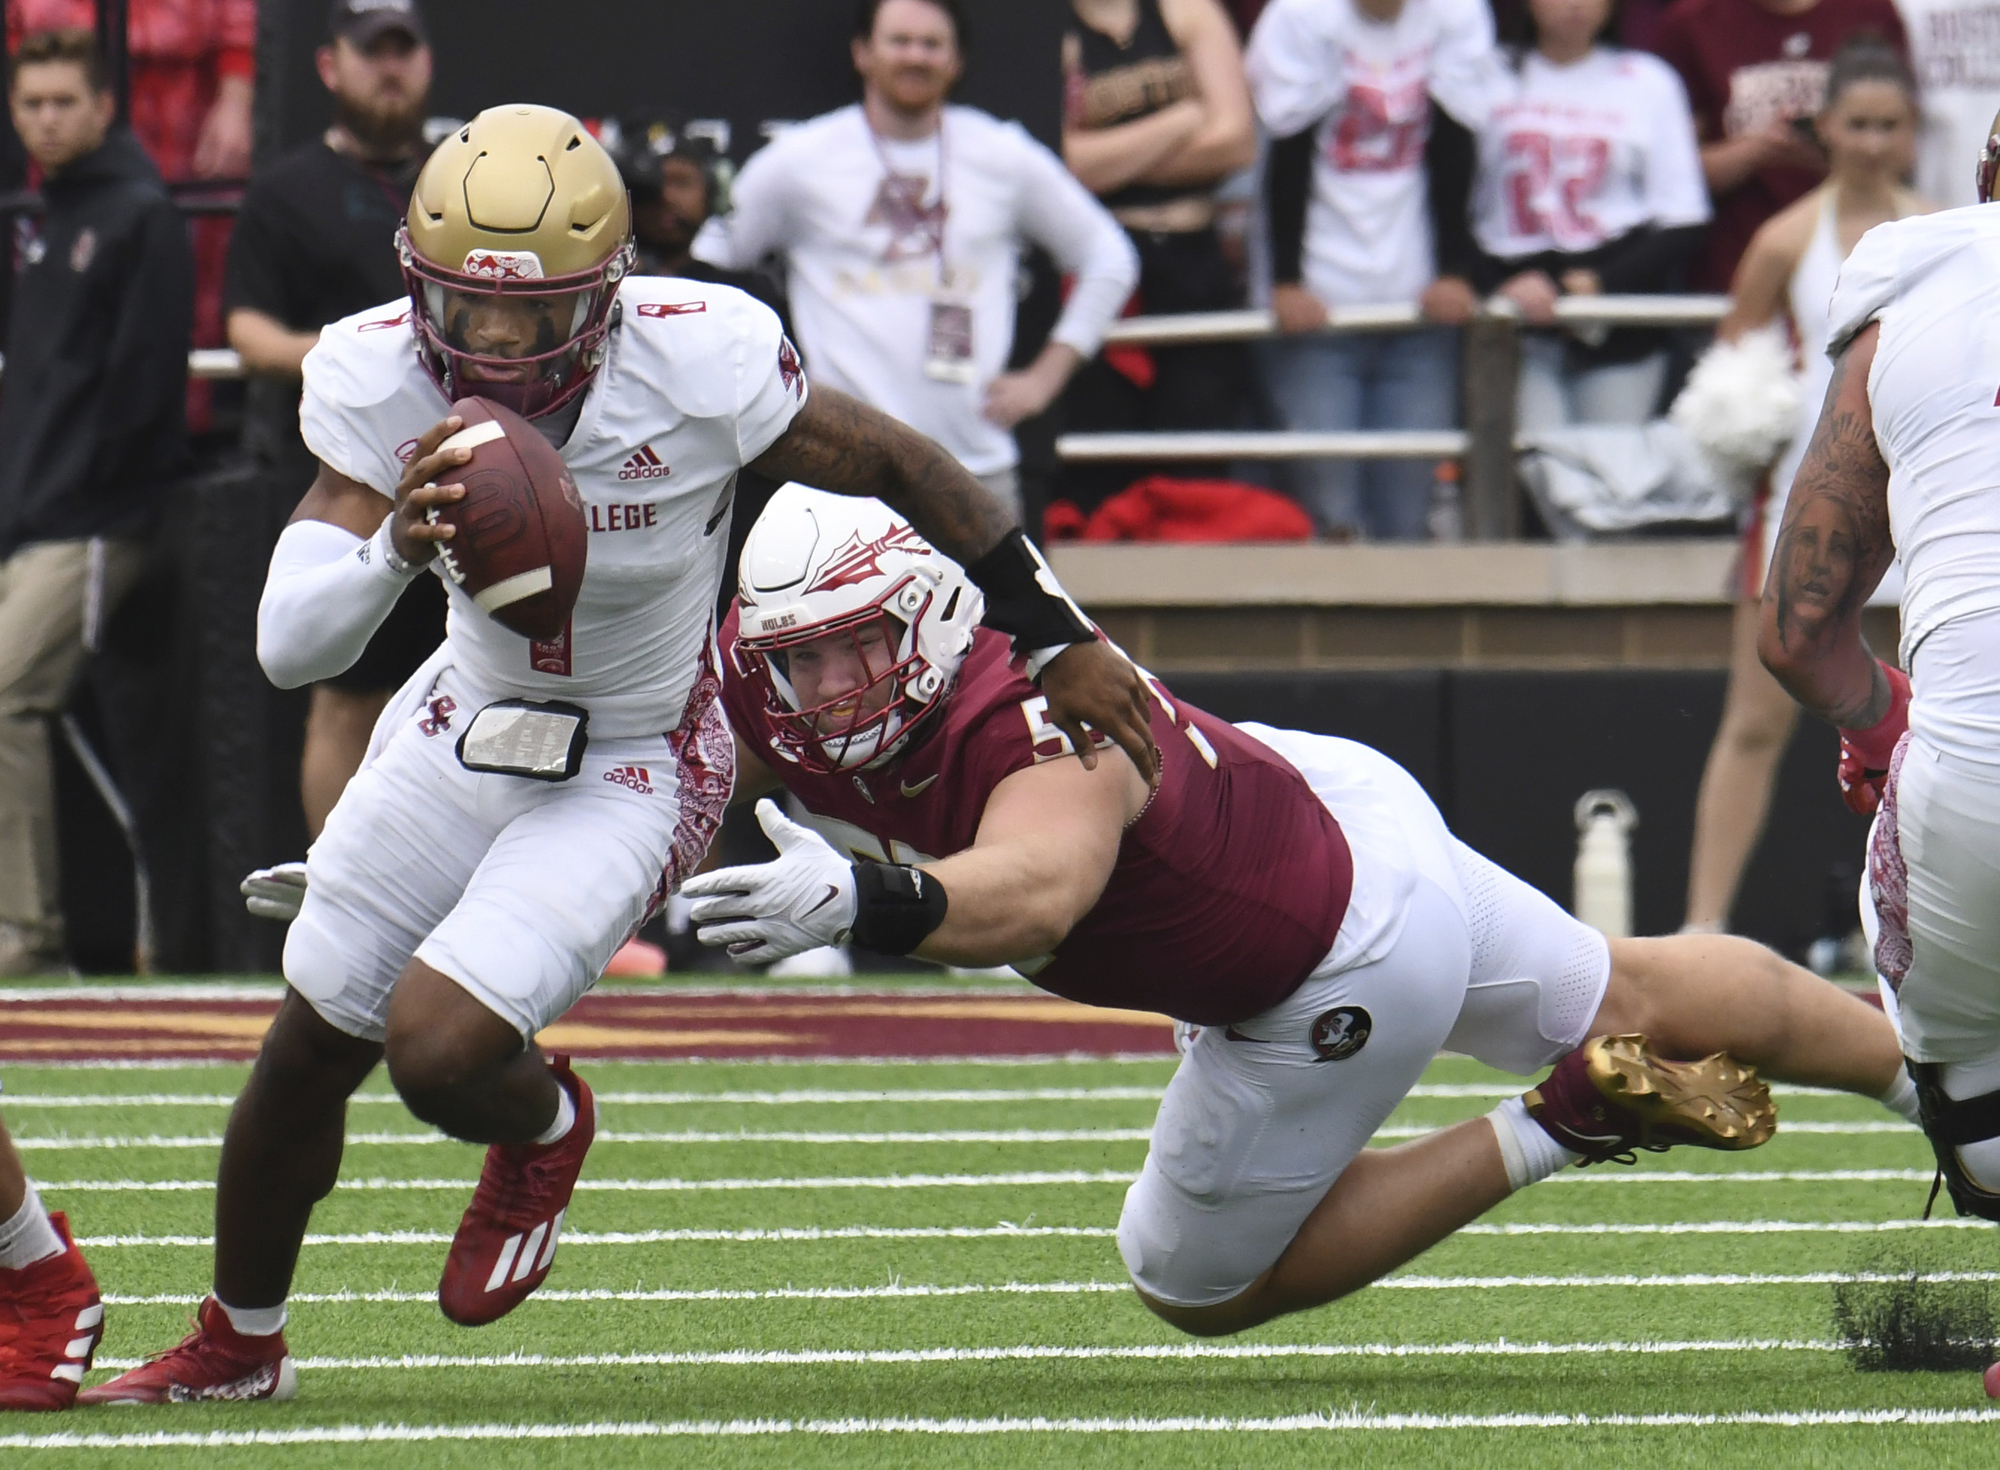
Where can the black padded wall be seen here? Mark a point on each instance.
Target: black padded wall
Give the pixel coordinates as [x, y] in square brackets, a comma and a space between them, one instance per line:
[747, 61]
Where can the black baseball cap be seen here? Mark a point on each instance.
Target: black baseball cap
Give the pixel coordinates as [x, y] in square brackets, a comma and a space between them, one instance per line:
[364, 22]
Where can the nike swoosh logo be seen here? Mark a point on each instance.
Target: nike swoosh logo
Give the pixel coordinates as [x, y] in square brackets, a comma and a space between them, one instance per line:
[920, 787]
[831, 894]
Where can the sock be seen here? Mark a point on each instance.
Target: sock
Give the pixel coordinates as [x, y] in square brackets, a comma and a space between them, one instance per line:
[254, 1321]
[1901, 1098]
[1530, 1154]
[565, 1119]
[28, 1237]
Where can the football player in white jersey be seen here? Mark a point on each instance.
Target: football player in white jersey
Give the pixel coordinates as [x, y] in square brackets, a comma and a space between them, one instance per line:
[453, 913]
[1905, 461]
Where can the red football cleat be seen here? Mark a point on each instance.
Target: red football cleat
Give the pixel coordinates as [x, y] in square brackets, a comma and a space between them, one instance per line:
[1613, 1096]
[507, 1240]
[213, 1362]
[51, 1321]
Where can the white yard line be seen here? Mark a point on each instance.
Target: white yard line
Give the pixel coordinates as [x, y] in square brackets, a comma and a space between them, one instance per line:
[662, 1237]
[987, 1181]
[752, 1098]
[67, 1143]
[653, 1187]
[898, 1290]
[1171, 1352]
[766, 1428]
[784, 1097]
[809, 1233]
[675, 1294]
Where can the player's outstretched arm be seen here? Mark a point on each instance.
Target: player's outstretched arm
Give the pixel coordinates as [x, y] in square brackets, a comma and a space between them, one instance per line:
[1046, 846]
[840, 444]
[1832, 550]
[1047, 842]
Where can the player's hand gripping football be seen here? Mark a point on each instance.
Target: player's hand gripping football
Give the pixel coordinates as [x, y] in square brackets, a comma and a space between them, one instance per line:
[1092, 683]
[418, 491]
[1865, 754]
[771, 911]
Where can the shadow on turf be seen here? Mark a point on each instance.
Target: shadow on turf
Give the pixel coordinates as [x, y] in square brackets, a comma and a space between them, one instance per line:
[1910, 1324]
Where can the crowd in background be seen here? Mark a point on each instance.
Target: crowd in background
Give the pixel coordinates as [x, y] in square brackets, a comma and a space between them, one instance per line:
[1314, 156]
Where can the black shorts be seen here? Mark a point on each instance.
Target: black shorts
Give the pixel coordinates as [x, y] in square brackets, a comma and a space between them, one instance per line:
[408, 636]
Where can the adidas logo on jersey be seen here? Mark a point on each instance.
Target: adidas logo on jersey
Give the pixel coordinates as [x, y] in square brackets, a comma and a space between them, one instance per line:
[633, 778]
[645, 465]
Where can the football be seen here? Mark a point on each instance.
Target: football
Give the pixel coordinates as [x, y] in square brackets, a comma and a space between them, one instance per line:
[521, 539]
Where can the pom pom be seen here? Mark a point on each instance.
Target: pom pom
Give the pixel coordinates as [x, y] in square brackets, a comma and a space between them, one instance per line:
[1741, 403]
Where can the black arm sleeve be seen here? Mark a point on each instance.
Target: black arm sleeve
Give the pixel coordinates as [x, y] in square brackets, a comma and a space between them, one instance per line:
[1287, 187]
[1450, 155]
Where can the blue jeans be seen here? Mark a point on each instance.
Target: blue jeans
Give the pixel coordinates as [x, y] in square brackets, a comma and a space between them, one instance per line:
[1365, 380]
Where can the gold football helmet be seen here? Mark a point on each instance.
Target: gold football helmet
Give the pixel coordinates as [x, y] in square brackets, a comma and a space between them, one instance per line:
[523, 205]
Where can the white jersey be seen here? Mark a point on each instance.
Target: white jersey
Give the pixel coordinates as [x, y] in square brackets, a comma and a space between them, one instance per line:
[1930, 280]
[894, 249]
[699, 380]
[1955, 52]
[1364, 86]
[1577, 156]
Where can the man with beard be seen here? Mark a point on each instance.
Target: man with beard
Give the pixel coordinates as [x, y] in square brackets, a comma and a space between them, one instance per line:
[315, 242]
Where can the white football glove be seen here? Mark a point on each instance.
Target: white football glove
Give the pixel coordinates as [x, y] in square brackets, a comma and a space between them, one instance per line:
[769, 911]
[275, 893]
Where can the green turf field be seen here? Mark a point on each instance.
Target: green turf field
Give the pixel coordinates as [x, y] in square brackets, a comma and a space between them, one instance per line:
[845, 1264]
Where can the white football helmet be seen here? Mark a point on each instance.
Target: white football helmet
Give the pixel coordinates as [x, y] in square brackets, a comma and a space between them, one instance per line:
[816, 565]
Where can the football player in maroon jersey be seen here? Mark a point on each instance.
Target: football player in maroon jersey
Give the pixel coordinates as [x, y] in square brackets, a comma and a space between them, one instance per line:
[1295, 897]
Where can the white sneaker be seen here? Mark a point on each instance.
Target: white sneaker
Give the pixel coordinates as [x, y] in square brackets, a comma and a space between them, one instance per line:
[829, 962]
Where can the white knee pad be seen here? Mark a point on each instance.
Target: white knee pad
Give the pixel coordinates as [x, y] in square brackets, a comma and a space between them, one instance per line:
[1975, 1079]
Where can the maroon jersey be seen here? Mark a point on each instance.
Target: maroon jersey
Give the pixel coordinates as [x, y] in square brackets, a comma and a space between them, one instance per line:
[1229, 888]
[1745, 67]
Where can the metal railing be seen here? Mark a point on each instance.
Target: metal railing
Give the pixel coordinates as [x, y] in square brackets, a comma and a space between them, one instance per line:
[1490, 366]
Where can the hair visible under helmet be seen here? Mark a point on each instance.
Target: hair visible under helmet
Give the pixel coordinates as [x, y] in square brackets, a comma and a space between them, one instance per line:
[519, 202]
[817, 565]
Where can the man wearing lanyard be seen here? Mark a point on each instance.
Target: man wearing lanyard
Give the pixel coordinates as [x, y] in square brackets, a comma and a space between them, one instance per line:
[901, 221]
[315, 242]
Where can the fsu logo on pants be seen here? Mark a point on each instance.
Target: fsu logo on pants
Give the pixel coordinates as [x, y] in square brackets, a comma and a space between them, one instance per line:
[1339, 1033]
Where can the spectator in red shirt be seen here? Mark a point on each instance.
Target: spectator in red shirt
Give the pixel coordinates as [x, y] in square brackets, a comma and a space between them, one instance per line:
[1755, 72]
[192, 65]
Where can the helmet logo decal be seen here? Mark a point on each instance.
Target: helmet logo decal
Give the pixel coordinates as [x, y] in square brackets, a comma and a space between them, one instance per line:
[504, 265]
[859, 560]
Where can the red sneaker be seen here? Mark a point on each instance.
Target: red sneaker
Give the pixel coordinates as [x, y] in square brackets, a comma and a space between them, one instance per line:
[507, 1240]
[1613, 1096]
[51, 1321]
[214, 1361]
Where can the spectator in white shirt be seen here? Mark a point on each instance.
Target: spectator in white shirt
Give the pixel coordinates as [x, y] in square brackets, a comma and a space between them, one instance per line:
[1589, 181]
[901, 222]
[1955, 52]
[1345, 87]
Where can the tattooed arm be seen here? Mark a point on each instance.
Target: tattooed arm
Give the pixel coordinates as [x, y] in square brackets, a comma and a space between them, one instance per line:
[840, 444]
[1832, 550]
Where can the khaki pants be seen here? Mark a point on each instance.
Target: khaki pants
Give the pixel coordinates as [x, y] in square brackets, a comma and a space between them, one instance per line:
[54, 597]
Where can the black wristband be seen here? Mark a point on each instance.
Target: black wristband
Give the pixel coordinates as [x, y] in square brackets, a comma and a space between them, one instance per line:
[1017, 601]
[895, 908]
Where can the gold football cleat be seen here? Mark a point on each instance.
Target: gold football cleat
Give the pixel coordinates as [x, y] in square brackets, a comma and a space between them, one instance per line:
[1613, 1095]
